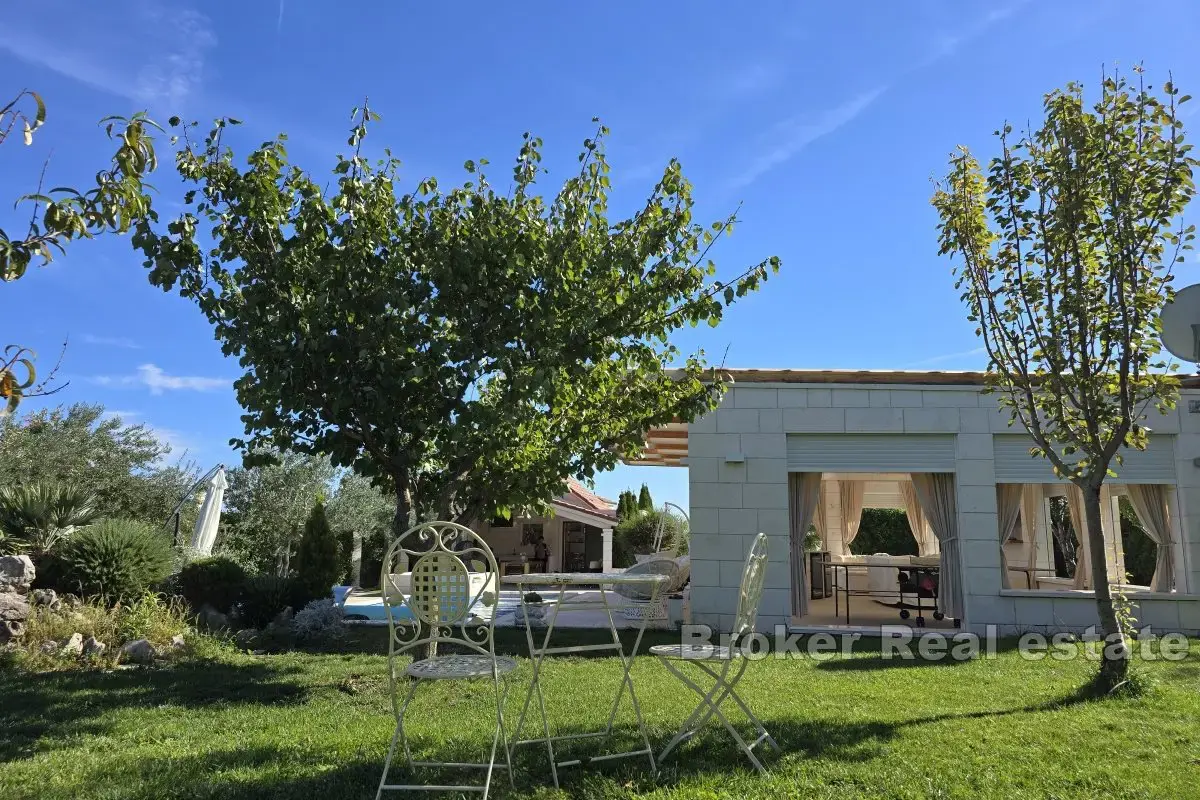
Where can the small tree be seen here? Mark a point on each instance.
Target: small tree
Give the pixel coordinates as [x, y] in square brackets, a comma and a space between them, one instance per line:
[318, 567]
[469, 348]
[626, 505]
[1066, 249]
[645, 502]
[266, 506]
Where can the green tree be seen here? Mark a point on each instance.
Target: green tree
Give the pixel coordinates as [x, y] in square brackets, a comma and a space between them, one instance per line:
[266, 505]
[626, 505]
[114, 204]
[317, 569]
[362, 515]
[124, 466]
[469, 348]
[1065, 252]
[644, 501]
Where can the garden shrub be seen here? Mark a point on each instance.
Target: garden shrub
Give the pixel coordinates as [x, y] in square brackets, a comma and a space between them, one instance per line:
[318, 622]
[318, 567]
[215, 581]
[262, 597]
[114, 560]
[884, 530]
[635, 535]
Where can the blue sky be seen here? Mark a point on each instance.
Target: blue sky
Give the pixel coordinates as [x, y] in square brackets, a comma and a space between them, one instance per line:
[825, 121]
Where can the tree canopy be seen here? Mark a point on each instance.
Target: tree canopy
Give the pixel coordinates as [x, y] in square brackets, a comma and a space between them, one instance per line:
[1064, 256]
[266, 506]
[123, 466]
[359, 507]
[470, 348]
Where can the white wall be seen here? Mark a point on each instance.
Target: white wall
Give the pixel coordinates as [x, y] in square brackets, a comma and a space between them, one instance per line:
[730, 502]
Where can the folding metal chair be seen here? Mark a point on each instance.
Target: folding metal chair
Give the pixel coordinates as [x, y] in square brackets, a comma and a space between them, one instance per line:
[440, 607]
[725, 665]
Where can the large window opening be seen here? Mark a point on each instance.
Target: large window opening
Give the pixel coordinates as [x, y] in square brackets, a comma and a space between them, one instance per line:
[874, 557]
[1045, 546]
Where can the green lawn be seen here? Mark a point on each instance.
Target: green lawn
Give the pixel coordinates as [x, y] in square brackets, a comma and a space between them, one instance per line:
[309, 725]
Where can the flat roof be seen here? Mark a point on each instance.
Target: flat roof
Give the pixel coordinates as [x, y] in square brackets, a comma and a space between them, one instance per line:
[667, 445]
[878, 376]
[929, 377]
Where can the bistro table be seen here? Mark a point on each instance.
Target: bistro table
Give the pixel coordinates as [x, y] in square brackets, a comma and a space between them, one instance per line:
[562, 581]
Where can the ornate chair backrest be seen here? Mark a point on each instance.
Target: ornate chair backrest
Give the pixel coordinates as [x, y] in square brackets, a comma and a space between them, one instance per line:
[442, 595]
[750, 593]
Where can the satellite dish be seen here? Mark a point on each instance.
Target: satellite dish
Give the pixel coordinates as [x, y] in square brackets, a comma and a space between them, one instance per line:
[1181, 324]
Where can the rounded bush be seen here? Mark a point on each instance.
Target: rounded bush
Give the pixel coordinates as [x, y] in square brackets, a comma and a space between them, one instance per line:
[215, 581]
[115, 560]
[262, 597]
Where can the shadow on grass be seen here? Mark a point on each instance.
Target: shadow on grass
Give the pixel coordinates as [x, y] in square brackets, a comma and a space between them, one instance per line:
[58, 705]
[61, 706]
[512, 641]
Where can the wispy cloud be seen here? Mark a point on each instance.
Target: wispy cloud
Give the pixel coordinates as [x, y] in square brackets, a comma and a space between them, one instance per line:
[148, 51]
[948, 44]
[110, 341]
[788, 137]
[279, 22]
[749, 80]
[947, 357]
[152, 377]
[124, 416]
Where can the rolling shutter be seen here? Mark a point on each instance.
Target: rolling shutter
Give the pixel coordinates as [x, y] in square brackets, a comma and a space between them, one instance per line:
[870, 452]
[1155, 464]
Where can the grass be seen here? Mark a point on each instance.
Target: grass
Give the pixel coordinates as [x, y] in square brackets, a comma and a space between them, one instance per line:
[304, 725]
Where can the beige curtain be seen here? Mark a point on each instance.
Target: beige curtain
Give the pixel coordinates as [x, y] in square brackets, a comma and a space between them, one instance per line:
[1150, 503]
[926, 543]
[1008, 508]
[804, 495]
[850, 493]
[1083, 560]
[936, 493]
[819, 518]
[1031, 512]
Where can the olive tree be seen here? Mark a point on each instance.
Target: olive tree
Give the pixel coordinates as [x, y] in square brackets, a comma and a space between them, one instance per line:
[1064, 253]
[468, 348]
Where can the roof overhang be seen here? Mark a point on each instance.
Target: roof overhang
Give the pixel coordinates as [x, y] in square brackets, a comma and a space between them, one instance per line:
[576, 514]
[665, 447]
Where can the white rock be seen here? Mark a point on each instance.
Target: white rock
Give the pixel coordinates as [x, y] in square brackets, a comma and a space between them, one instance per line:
[139, 651]
[73, 646]
[93, 647]
[16, 573]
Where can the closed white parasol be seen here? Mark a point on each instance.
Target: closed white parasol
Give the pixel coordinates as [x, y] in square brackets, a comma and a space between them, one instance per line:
[210, 514]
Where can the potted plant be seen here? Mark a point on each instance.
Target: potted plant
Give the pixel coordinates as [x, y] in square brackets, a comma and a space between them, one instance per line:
[812, 540]
[533, 609]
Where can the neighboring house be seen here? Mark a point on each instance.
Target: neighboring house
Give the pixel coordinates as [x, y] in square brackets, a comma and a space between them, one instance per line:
[578, 535]
[793, 447]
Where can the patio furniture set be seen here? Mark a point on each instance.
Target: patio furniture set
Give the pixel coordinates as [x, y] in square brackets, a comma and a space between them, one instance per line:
[437, 608]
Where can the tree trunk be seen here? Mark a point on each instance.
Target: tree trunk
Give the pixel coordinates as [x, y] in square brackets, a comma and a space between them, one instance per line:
[401, 519]
[356, 543]
[1115, 664]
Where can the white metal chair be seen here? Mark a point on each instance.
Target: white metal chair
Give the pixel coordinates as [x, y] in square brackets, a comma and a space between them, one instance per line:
[439, 607]
[725, 665]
